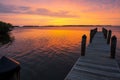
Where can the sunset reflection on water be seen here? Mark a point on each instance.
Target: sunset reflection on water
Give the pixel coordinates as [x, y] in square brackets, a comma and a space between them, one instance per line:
[51, 38]
[49, 52]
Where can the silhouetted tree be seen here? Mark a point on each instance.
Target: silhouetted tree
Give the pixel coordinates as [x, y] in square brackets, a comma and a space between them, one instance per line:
[6, 39]
[5, 27]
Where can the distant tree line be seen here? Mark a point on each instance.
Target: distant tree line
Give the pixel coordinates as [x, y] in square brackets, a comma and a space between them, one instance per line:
[5, 27]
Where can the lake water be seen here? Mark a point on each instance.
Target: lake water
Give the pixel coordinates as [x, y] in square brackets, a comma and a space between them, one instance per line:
[47, 53]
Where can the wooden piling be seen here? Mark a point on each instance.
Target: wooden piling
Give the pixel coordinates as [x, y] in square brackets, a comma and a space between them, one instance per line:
[105, 32]
[109, 37]
[92, 33]
[95, 30]
[113, 46]
[83, 45]
[9, 69]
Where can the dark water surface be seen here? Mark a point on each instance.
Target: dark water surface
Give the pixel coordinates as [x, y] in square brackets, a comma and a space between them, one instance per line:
[47, 53]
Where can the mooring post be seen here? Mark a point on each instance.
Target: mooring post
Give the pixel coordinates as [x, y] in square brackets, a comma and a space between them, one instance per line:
[83, 45]
[103, 30]
[106, 33]
[9, 69]
[113, 46]
[95, 30]
[91, 35]
[109, 37]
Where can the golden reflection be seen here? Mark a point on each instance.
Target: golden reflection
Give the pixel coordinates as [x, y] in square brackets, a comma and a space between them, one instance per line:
[52, 37]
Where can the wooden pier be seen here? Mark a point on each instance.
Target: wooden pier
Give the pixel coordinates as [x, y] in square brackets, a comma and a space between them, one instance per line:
[96, 64]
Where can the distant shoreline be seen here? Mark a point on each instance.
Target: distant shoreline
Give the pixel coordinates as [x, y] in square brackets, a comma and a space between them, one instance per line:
[70, 26]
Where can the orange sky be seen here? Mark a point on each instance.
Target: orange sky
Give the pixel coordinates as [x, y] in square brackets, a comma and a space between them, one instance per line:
[60, 12]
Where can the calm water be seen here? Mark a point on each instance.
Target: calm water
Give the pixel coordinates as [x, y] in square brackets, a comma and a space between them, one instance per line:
[47, 53]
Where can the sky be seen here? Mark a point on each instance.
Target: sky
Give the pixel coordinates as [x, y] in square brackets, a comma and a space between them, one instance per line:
[60, 12]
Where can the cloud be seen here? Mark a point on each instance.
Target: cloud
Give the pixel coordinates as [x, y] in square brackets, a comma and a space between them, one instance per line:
[24, 8]
[12, 9]
[99, 5]
[96, 1]
[43, 11]
[7, 9]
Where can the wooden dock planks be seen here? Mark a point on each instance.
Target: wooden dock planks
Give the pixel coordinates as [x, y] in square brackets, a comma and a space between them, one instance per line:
[96, 64]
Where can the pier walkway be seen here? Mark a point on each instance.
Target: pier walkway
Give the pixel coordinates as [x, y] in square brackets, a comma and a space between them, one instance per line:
[96, 64]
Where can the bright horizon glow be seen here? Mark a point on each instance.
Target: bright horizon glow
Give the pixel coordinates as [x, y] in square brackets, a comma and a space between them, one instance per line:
[60, 12]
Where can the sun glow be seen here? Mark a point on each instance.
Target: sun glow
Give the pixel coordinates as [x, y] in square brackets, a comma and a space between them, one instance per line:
[60, 21]
[60, 12]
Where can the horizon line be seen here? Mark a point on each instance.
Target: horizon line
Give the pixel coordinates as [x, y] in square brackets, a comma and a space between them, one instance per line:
[64, 25]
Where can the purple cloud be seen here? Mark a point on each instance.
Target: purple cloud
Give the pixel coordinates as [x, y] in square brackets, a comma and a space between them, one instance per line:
[12, 9]
[27, 10]
[43, 11]
[100, 5]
